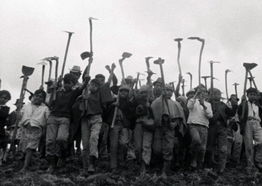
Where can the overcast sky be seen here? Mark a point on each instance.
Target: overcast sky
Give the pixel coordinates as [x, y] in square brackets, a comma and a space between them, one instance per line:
[31, 30]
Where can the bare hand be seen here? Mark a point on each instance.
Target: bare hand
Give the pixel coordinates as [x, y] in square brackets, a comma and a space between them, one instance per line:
[108, 68]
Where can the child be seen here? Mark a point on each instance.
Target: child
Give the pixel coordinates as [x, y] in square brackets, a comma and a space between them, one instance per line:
[58, 123]
[218, 129]
[92, 119]
[119, 136]
[168, 114]
[250, 124]
[200, 112]
[143, 137]
[5, 96]
[33, 121]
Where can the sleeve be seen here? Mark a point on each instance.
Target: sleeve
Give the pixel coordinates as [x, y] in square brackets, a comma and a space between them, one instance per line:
[4, 111]
[208, 111]
[231, 111]
[191, 103]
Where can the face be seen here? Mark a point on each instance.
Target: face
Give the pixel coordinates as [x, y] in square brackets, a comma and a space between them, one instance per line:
[4, 99]
[217, 96]
[123, 93]
[158, 87]
[190, 95]
[101, 80]
[48, 88]
[180, 102]
[93, 87]
[77, 74]
[129, 81]
[169, 93]
[252, 96]
[68, 86]
[143, 95]
[38, 99]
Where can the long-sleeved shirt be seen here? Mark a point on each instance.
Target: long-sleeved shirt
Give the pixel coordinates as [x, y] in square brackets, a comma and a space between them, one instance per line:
[197, 114]
[4, 111]
[36, 115]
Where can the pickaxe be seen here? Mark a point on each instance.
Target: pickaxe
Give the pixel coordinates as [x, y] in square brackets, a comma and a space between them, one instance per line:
[178, 40]
[235, 85]
[191, 77]
[43, 63]
[200, 56]
[66, 51]
[227, 70]
[173, 85]
[212, 75]
[160, 62]
[137, 79]
[251, 79]
[85, 55]
[148, 64]
[140, 82]
[183, 87]
[124, 56]
[205, 80]
[27, 71]
[56, 74]
[248, 67]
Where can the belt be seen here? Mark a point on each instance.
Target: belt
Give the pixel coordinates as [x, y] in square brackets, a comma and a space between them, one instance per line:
[253, 119]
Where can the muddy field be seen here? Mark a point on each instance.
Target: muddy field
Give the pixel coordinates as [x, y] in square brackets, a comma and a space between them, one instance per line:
[127, 174]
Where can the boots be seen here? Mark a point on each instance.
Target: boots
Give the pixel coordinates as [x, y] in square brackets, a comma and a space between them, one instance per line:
[62, 160]
[91, 167]
[165, 168]
[51, 163]
[142, 168]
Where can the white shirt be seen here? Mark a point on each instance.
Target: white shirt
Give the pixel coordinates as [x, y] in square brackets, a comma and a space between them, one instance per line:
[36, 115]
[197, 114]
[253, 111]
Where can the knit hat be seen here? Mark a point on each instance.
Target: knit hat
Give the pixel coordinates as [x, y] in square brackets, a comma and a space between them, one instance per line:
[95, 81]
[252, 90]
[50, 81]
[169, 87]
[233, 95]
[159, 80]
[124, 87]
[190, 91]
[144, 88]
[182, 98]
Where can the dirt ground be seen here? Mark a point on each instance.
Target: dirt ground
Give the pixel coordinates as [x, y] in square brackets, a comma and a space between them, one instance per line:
[128, 174]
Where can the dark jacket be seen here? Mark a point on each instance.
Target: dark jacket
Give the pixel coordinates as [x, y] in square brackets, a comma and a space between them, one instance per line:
[128, 110]
[221, 112]
[243, 119]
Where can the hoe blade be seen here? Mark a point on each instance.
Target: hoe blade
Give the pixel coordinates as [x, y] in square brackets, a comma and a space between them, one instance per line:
[249, 66]
[27, 71]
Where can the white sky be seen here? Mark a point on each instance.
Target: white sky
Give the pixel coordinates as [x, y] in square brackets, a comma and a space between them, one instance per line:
[31, 30]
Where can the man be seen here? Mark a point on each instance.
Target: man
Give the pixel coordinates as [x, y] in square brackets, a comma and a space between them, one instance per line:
[250, 124]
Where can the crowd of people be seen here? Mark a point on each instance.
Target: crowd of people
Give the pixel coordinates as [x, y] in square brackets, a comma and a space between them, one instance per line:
[101, 118]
